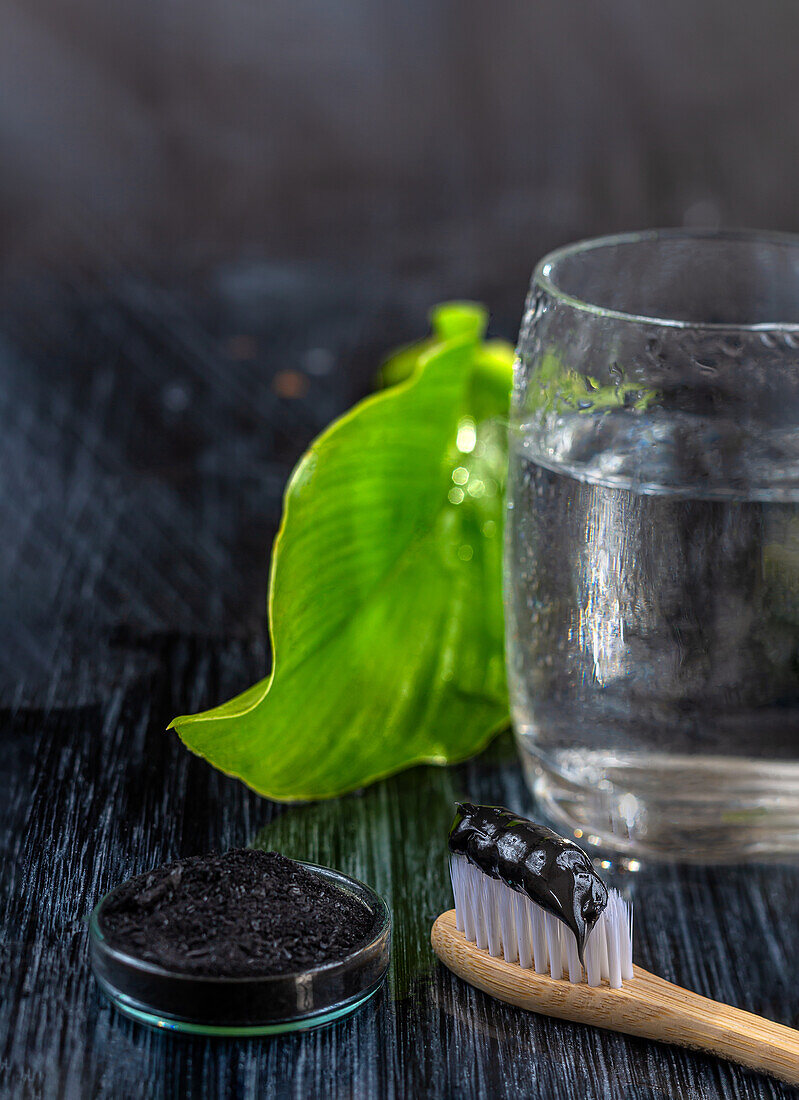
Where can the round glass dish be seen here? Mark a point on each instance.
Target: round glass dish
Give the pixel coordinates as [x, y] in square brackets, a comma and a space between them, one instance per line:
[259, 1005]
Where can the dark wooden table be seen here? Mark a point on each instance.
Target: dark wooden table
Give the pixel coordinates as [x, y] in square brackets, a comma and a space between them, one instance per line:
[145, 437]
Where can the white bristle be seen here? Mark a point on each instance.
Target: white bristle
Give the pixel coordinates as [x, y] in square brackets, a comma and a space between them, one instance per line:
[510, 941]
[524, 938]
[491, 916]
[552, 925]
[506, 922]
[539, 939]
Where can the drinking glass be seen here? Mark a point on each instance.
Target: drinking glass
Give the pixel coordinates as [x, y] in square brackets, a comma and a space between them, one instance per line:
[652, 543]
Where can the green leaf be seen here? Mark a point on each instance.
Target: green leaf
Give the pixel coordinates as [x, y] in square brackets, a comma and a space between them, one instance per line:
[402, 364]
[449, 319]
[385, 600]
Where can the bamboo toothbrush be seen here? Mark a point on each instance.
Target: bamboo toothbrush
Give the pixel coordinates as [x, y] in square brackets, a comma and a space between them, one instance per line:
[529, 908]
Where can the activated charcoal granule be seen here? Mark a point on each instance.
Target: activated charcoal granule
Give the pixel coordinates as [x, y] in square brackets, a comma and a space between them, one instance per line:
[241, 914]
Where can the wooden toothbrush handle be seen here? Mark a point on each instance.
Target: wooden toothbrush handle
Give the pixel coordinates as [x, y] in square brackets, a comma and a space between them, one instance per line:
[646, 1005]
[676, 1015]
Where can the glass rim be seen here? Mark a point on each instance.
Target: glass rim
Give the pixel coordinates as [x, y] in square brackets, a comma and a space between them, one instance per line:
[544, 279]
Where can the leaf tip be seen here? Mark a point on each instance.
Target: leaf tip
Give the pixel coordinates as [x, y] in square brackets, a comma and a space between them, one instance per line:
[459, 318]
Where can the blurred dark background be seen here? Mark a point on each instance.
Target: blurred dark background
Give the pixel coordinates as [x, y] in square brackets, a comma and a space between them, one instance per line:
[217, 216]
[444, 140]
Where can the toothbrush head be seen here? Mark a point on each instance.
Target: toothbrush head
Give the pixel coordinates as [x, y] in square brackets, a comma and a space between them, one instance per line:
[526, 893]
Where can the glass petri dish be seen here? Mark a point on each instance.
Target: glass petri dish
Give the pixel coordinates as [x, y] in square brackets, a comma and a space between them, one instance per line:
[249, 1006]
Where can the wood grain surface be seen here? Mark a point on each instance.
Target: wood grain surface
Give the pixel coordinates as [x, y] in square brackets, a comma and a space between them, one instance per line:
[145, 437]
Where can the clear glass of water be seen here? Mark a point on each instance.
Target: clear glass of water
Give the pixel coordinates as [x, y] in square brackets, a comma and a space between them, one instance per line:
[652, 543]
